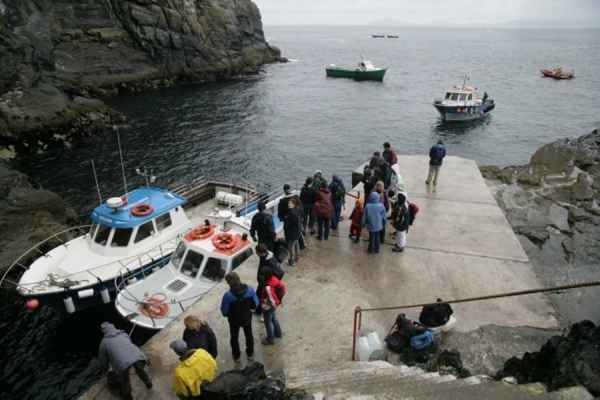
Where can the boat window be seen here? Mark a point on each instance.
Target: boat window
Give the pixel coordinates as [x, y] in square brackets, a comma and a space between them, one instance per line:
[164, 221]
[178, 255]
[144, 231]
[191, 264]
[215, 269]
[463, 97]
[240, 258]
[102, 235]
[121, 237]
[471, 97]
[454, 96]
[448, 95]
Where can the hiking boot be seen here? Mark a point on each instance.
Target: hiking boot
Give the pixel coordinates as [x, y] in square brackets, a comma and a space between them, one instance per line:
[397, 249]
[250, 358]
[427, 182]
[267, 342]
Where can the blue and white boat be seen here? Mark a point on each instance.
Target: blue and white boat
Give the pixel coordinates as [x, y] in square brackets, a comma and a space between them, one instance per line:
[463, 103]
[83, 266]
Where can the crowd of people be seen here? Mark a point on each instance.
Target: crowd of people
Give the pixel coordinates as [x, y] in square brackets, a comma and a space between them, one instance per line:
[316, 210]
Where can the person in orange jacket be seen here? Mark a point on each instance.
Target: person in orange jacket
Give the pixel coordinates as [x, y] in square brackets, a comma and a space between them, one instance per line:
[356, 217]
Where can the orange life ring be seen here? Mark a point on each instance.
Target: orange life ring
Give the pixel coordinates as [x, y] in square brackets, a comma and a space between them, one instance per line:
[200, 233]
[224, 241]
[142, 210]
[155, 306]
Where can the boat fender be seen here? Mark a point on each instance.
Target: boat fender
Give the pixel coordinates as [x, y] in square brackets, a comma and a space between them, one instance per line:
[104, 293]
[69, 304]
[82, 294]
[32, 304]
[142, 210]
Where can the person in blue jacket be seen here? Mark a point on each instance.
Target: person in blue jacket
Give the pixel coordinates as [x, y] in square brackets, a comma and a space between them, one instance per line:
[237, 305]
[374, 220]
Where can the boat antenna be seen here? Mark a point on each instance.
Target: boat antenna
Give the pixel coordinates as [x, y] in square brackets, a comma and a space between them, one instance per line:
[96, 180]
[465, 81]
[116, 129]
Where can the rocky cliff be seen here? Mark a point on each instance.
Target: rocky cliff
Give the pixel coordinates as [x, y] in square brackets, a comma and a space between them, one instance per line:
[552, 204]
[57, 55]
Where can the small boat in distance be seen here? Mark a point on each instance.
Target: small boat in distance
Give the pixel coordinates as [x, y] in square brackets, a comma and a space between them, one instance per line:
[378, 36]
[463, 103]
[365, 71]
[393, 36]
[557, 73]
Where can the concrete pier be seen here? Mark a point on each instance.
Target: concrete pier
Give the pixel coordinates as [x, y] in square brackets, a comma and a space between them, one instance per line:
[460, 246]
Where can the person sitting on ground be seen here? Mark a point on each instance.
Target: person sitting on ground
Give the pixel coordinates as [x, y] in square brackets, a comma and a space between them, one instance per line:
[195, 367]
[435, 315]
[356, 218]
[198, 335]
[119, 353]
[237, 306]
[262, 224]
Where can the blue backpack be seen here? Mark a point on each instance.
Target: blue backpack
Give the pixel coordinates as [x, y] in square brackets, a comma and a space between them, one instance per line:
[422, 341]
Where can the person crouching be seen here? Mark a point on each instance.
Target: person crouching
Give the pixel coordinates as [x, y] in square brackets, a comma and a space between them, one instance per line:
[195, 367]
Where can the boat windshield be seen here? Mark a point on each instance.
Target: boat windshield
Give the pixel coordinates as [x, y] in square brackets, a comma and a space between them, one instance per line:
[178, 255]
[191, 264]
[215, 269]
[121, 237]
[454, 97]
[448, 95]
[463, 97]
[102, 235]
[92, 230]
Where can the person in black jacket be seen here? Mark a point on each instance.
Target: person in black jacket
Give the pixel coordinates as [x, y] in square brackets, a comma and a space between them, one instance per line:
[267, 266]
[293, 230]
[435, 315]
[400, 222]
[436, 158]
[262, 225]
[308, 196]
[198, 335]
[237, 306]
[283, 210]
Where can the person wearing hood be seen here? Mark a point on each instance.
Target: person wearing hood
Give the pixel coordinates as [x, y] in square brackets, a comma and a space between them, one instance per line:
[262, 224]
[374, 220]
[195, 367]
[401, 222]
[323, 211]
[356, 217]
[237, 306]
[199, 335]
[338, 198]
[118, 351]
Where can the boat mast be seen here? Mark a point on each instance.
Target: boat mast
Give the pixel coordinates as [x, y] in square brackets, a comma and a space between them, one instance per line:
[116, 129]
[96, 180]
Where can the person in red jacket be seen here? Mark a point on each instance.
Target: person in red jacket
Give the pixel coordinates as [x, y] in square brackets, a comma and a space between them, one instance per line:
[269, 302]
[323, 211]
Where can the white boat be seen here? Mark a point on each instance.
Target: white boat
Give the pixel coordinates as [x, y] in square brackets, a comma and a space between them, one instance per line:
[130, 237]
[203, 258]
[463, 103]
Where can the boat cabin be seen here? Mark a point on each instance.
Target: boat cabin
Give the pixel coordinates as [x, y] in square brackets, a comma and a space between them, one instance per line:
[121, 225]
[366, 65]
[461, 96]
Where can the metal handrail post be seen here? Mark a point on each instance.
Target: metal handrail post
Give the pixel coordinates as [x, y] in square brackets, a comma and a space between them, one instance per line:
[357, 313]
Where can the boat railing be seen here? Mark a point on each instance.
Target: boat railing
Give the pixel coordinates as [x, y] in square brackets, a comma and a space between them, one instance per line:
[94, 274]
[251, 206]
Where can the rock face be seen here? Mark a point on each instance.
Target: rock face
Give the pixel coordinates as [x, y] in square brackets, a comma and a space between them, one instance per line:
[27, 215]
[552, 204]
[563, 361]
[57, 54]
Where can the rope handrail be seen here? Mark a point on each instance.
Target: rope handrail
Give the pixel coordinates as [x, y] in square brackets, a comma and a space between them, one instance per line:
[357, 322]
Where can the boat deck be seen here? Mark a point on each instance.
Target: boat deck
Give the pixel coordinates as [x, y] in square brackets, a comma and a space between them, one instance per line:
[460, 246]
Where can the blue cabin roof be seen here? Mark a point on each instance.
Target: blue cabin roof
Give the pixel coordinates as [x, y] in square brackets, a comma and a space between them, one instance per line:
[160, 199]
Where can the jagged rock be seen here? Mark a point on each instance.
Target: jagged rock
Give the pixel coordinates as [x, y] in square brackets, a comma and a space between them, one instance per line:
[582, 189]
[563, 361]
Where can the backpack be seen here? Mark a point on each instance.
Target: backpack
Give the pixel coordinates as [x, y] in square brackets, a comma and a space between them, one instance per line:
[339, 193]
[413, 210]
[280, 290]
[422, 341]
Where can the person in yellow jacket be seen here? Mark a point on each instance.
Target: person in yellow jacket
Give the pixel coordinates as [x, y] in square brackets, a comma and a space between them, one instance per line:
[196, 366]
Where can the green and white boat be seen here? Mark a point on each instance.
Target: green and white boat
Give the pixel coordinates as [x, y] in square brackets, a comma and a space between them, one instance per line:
[364, 71]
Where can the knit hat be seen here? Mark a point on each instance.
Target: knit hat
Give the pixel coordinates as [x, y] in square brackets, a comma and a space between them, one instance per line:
[287, 189]
[179, 347]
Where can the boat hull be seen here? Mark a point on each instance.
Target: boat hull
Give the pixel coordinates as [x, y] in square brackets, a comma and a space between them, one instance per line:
[546, 73]
[374, 75]
[462, 114]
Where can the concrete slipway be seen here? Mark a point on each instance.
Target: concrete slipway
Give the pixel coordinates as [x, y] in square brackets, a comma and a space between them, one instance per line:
[460, 246]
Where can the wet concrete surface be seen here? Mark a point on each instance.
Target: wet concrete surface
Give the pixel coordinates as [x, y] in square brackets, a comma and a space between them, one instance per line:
[460, 246]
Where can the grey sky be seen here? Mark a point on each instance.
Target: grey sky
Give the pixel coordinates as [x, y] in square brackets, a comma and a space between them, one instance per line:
[431, 12]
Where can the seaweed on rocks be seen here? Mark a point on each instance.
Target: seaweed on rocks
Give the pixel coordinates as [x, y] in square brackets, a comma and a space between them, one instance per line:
[563, 361]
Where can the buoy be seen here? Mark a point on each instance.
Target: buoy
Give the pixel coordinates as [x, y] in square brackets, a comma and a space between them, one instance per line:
[32, 304]
[69, 305]
[105, 296]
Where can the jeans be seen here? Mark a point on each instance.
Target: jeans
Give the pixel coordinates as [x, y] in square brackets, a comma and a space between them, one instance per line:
[271, 325]
[374, 241]
[294, 250]
[323, 228]
[434, 172]
[308, 220]
[337, 214]
[234, 331]
[124, 383]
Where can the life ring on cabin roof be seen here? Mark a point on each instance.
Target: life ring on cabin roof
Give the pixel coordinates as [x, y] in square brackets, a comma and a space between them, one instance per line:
[154, 307]
[142, 210]
[200, 233]
[224, 241]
